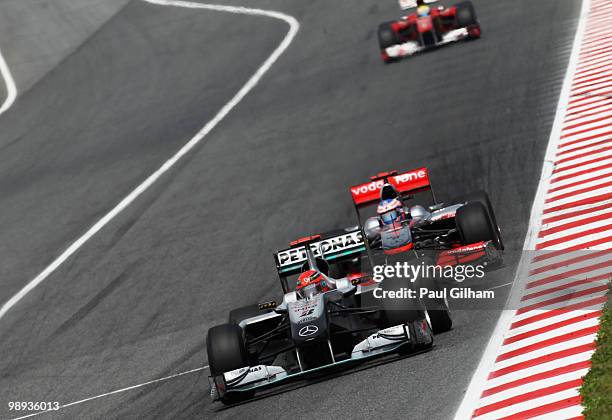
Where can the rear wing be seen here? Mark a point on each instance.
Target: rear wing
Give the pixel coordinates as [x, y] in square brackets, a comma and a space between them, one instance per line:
[405, 183]
[335, 248]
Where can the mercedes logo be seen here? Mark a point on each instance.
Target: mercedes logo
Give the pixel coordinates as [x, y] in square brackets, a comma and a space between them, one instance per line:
[308, 330]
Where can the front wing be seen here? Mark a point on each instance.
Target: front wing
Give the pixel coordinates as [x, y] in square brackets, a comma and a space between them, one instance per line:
[413, 47]
[387, 341]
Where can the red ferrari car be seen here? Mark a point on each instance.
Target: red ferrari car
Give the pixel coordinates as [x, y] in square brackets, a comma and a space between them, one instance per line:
[427, 27]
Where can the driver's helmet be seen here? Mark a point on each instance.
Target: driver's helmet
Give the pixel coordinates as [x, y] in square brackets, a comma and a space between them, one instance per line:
[310, 283]
[423, 10]
[389, 210]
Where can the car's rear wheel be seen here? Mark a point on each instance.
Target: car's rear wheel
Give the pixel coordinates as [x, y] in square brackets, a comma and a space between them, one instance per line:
[474, 224]
[465, 14]
[226, 352]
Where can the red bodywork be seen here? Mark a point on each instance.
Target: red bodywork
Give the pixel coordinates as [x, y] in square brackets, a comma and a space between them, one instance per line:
[410, 26]
[403, 183]
[410, 182]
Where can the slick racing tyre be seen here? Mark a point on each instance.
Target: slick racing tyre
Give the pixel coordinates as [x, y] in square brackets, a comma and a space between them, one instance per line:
[465, 14]
[226, 349]
[483, 197]
[387, 36]
[439, 315]
[474, 224]
[398, 311]
[226, 352]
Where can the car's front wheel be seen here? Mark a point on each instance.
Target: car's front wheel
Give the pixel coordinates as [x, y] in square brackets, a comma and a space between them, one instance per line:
[387, 37]
[226, 352]
[483, 197]
[465, 14]
[438, 315]
[474, 224]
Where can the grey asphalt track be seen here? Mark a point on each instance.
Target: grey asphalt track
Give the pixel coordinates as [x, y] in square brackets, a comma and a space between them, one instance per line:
[35, 35]
[135, 303]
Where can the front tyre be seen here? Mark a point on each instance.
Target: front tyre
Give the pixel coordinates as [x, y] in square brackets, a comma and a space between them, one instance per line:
[396, 310]
[465, 15]
[474, 224]
[226, 352]
[482, 197]
[387, 37]
[226, 349]
[439, 315]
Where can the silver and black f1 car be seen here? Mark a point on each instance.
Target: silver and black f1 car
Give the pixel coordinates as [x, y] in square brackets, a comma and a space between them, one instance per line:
[330, 319]
[462, 230]
[426, 28]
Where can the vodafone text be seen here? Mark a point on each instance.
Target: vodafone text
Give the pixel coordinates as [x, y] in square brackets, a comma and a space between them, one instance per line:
[399, 179]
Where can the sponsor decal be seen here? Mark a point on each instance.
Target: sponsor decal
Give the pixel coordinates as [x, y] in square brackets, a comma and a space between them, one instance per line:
[307, 312]
[308, 330]
[403, 182]
[326, 246]
[442, 216]
[307, 319]
[468, 248]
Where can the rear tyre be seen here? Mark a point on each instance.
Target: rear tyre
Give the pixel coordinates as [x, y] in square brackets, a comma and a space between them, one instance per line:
[465, 14]
[474, 223]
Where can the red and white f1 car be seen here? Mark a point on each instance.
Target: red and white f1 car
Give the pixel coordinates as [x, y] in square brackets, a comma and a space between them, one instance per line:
[462, 230]
[426, 28]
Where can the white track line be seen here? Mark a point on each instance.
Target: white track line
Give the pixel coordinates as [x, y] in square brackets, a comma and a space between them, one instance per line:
[11, 89]
[479, 380]
[117, 391]
[140, 189]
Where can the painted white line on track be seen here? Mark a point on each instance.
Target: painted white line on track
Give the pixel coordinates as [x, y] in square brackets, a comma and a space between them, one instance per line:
[11, 88]
[479, 380]
[500, 286]
[117, 391]
[144, 186]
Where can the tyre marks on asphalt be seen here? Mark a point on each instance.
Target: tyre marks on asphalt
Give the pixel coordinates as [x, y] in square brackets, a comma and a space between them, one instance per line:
[545, 352]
